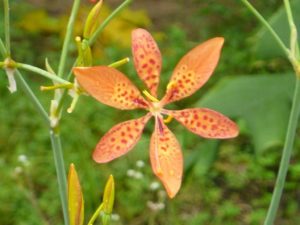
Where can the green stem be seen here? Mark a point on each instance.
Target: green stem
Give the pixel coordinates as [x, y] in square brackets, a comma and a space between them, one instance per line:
[2, 49]
[28, 91]
[267, 25]
[289, 12]
[69, 32]
[286, 155]
[107, 20]
[32, 97]
[41, 72]
[6, 26]
[294, 36]
[61, 172]
[96, 214]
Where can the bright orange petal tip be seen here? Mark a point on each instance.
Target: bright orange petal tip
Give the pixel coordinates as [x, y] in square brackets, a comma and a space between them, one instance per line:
[147, 58]
[120, 139]
[166, 158]
[109, 86]
[206, 122]
[194, 69]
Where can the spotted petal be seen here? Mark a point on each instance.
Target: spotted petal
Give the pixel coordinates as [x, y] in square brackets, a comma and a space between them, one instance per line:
[120, 139]
[166, 158]
[206, 123]
[109, 86]
[194, 69]
[147, 58]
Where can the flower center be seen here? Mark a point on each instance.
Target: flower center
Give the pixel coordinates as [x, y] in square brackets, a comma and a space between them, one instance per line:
[156, 107]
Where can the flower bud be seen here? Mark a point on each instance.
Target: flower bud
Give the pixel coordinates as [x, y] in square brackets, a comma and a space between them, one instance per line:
[92, 20]
[75, 198]
[109, 196]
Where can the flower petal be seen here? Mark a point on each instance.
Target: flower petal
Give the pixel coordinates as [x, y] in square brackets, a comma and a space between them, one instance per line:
[206, 123]
[120, 139]
[110, 86]
[194, 69]
[147, 58]
[166, 158]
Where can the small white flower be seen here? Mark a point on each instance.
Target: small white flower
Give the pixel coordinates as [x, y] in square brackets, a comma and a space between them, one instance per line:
[130, 173]
[154, 186]
[140, 163]
[160, 206]
[22, 158]
[115, 217]
[18, 170]
[155, 206]
[138, 175]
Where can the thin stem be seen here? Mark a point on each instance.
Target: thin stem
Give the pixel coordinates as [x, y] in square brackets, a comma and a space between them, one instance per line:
[32, 97]
[107, 20]
[293, 29]
[28, 91]
[289, 12]
[69, 32]
[61, 172]
[286, 155]
[6, 26]
[41, 72]
[2, 49]
[267, 25]
[96, 214]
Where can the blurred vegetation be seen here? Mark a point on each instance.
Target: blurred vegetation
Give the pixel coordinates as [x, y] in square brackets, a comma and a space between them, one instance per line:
[226, 182]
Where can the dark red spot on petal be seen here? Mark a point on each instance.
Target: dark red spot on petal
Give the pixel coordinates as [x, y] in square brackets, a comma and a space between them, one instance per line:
[152, 61]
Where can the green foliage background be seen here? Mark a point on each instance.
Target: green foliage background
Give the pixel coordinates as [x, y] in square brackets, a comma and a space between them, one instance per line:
[226, 182]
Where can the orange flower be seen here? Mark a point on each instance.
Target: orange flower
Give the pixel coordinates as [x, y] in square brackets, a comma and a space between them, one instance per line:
[113, 88]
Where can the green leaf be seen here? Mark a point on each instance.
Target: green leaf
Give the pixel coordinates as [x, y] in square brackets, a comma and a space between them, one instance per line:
[265, 45]
[263, 102]
[202, 158]
[75, 198]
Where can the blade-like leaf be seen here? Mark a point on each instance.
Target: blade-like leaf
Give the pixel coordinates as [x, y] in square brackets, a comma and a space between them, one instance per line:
[265, 45]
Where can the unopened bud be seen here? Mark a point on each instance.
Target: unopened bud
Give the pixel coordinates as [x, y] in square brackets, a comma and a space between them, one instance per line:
[92, 20]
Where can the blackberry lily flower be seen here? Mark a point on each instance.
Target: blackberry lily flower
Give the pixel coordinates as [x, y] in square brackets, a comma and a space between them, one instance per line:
[113, 88]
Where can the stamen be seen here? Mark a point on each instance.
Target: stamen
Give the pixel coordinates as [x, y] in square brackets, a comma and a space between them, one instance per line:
[168, 119]
[57, 86]
[73, 104]
[119, 63]
[148, 95]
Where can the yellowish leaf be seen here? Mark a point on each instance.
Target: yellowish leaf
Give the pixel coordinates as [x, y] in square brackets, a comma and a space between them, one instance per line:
[75, 198]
